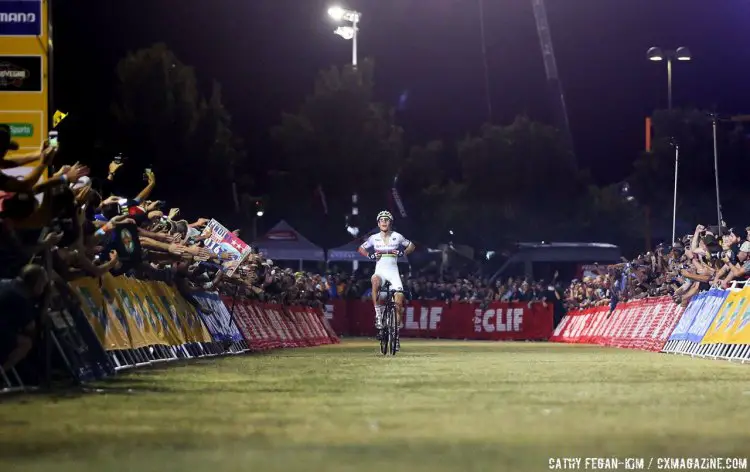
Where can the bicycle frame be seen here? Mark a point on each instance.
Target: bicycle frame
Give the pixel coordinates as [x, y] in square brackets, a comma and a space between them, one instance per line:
[389, 335]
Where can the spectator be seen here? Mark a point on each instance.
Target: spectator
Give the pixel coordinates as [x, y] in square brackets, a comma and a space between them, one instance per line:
[20, 300]
[25, 185]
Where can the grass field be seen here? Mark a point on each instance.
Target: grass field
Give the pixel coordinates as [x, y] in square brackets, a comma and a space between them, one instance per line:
[437, 406]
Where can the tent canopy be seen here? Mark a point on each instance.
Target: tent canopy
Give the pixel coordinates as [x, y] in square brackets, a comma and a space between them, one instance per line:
[348, 252]
[285, 243]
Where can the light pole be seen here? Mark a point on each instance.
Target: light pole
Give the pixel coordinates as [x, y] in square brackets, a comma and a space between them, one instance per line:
[347, 32]
[258, 214]
[674, 203]
[716, 172]
[680, 54]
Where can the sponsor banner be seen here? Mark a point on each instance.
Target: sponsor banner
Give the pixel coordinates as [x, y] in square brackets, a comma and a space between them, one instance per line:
[126, 313]
[640, 324]
[712, 302]
[23, 72]
[230, 249]
[722, 326]
[429, 319]
[681, 331]
[25, 127]
[21, 18]
[112, 331]
[270, 326]
[217, 318]
[184, 315]
[729, 326]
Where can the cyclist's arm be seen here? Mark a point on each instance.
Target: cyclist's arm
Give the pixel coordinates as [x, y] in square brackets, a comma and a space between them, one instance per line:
[407, 247]
[366, 248]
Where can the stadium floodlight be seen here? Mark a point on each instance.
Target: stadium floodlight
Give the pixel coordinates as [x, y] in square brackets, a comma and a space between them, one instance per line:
[338, 13]
[655, 54]
[680, 54]
[683, 54]
[346, 32]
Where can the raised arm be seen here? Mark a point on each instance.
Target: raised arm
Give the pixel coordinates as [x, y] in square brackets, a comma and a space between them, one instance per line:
[148, 189]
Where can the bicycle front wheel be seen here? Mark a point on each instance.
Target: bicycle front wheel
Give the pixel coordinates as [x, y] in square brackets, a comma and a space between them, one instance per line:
[394, 336]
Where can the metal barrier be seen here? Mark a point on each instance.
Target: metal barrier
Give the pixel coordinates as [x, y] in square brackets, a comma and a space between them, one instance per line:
[8, 386]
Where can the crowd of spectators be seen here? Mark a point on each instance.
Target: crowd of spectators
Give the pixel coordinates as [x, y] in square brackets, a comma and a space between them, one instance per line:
[711, 257]
[59, 228]
[447, 287]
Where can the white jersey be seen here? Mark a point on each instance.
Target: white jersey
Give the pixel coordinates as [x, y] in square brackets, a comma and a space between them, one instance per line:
[387, 266]
[391, 243]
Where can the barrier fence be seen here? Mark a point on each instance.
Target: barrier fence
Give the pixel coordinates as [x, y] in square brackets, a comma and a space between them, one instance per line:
[104, 325]
[429, 319]
[100, 326]
[713, 325]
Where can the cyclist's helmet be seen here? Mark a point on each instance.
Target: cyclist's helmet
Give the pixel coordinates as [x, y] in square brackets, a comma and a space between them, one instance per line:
[384, 214]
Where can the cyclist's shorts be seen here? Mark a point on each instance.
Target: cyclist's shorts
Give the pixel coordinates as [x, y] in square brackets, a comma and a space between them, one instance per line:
[392, 276]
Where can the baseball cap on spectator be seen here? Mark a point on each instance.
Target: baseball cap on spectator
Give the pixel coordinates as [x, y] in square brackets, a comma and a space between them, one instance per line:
[745, 247]
[738, 232]
[712, 244]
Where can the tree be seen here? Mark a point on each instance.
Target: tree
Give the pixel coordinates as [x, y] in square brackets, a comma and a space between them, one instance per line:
[515, 176]
[164, 122]
[607, 214]
[652, 178]
[342, 140]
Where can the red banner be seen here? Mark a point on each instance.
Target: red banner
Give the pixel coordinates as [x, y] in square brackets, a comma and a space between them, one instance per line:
[427, 319]
[641, 324]
[270, 326]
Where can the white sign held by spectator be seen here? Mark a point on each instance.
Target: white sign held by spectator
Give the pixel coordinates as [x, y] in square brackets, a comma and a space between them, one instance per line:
[230, 249]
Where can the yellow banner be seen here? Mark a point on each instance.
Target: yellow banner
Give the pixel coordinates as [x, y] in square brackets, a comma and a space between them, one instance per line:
[129, 313]
[182, 310]
[740, 333]
[120, 303]
[24, 73]
[172, 331]
[717, 332]
[111, 331]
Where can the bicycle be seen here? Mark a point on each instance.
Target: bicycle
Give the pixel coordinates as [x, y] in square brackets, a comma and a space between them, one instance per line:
[389, 335]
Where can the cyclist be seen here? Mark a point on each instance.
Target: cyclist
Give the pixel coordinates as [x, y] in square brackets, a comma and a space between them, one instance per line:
[387, 247]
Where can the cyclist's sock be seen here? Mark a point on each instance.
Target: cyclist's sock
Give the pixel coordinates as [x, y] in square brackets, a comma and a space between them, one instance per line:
[379, 316]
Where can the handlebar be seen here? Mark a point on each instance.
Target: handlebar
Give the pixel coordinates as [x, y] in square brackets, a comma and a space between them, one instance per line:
[386, 288]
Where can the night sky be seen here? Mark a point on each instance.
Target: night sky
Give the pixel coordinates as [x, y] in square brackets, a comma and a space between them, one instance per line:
[265, 53]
